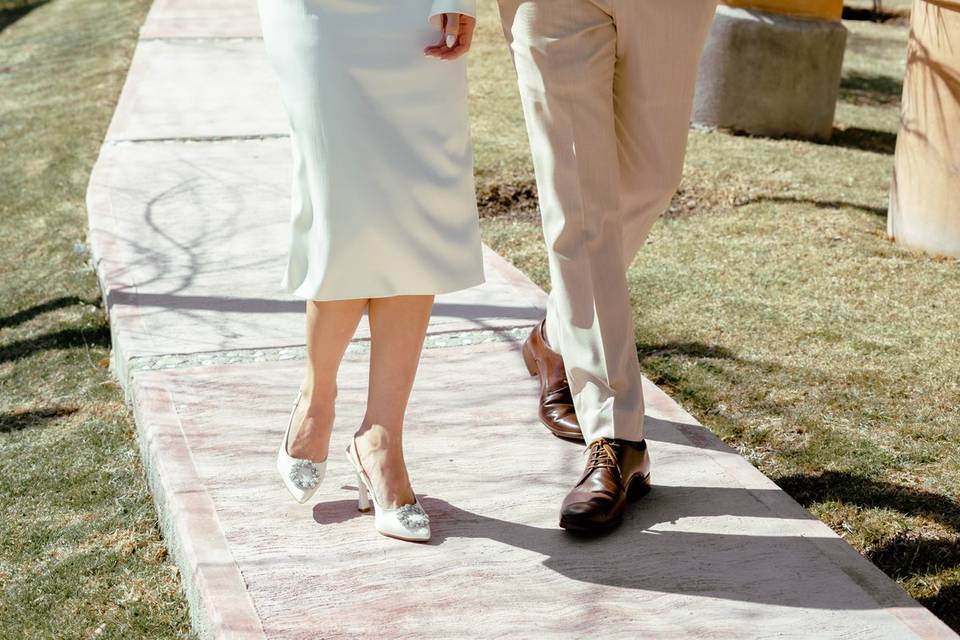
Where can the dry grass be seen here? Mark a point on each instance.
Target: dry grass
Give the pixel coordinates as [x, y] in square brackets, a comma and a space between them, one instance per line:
[81, 554]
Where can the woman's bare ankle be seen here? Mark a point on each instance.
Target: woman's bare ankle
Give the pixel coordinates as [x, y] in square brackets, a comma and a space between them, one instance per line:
[316, 395]
[381, 454]
[312, 428]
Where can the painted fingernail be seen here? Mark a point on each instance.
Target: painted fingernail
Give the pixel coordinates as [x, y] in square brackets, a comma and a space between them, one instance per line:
[451, 40]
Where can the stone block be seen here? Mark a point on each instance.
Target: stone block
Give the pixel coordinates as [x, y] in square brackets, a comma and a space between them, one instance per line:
[770, 75]
[198, 89]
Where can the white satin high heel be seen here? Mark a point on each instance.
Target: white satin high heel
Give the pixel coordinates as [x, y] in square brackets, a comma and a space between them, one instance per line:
[406, 522]
[301, 477]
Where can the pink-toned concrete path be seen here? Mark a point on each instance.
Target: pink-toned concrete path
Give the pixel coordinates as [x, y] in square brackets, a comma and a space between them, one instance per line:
[188, 207]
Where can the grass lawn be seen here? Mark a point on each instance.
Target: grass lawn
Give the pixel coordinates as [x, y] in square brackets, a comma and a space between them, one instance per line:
[771, 305]
[80, 552]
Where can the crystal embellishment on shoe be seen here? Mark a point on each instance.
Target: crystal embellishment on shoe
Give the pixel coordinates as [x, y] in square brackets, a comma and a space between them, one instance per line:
[304, 475]
[406, 522]
[413, 517]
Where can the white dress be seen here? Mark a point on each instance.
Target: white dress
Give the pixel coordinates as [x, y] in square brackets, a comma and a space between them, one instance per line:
[383, 199]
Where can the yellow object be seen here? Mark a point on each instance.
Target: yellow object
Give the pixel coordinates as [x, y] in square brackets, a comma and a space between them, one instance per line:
[810, 9]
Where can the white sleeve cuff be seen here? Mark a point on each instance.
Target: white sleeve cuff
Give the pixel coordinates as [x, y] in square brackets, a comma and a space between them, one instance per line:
[440, 7]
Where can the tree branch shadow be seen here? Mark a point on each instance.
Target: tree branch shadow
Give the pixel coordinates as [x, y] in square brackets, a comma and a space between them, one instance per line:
[62, 339]
[29, 313]
[819, 204]
[20, 420]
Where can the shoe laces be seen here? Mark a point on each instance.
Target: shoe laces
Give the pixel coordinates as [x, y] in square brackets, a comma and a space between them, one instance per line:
[602, 453]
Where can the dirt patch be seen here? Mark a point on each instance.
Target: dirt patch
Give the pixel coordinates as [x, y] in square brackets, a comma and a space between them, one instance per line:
[518, 199]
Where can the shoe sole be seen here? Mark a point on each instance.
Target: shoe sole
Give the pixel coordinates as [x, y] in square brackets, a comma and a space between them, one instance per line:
[398, 537]
[533, 368]
[638, 488]
[575, 527]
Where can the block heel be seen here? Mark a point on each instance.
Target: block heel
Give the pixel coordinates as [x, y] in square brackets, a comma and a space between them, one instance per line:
[639, 487]
[530, 360]
[363, 500]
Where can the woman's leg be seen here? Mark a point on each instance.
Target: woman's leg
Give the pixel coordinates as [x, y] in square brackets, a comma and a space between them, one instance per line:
[330, 326]
[397, 329]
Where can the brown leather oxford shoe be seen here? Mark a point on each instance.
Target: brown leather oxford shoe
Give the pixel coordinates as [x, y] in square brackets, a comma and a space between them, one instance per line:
[556, 403]
[617, 472]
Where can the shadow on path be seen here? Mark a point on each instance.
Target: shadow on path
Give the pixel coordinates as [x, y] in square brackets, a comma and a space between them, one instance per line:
[645, 554]
[687, 540]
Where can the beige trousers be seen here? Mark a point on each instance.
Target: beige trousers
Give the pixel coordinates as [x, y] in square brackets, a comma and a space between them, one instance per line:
[607, 91]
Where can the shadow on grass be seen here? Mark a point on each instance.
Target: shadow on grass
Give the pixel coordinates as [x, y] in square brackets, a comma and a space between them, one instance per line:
[819, 204]
[906, 555]
[662, 363]
[865, 492]
[870, 15]
[9, 16]
[864, 140]
[20, 420]
[857, 138]
[698, 388]
[63, 339]
[870, 89]
[945, 605]
[44, 307]
[684, 349]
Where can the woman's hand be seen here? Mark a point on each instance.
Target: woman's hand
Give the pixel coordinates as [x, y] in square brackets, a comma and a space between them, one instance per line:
[455, 39]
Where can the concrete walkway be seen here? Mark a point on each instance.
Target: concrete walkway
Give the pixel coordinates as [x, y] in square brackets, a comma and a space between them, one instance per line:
[188, 212]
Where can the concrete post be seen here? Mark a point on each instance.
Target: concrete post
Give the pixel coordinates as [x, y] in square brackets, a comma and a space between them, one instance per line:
[925, 191]
[772, 67]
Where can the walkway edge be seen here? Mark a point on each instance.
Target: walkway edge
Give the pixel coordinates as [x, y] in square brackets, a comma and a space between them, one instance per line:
[219, 603]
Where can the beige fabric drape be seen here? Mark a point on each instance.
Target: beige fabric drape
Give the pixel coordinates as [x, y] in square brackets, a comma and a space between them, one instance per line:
[607, 90]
